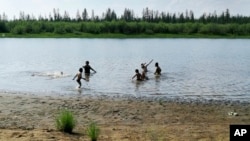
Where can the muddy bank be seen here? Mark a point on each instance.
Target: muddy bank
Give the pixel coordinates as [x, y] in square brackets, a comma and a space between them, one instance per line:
[31, 117]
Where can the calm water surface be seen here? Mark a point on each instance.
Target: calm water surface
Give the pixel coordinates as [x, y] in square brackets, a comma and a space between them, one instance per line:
[192, 68]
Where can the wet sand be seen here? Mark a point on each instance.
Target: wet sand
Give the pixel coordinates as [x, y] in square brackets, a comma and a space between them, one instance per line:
[31, 117]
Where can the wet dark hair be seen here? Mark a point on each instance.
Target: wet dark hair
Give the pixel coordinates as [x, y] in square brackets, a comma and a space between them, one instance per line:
[156, 64]
[87, 62]
[137, 71]
[80, 70]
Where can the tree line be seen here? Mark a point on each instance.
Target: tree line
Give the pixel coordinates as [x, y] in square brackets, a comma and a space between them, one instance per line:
[150, 22]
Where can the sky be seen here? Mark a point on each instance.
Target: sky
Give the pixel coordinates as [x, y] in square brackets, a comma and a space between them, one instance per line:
[44, 7]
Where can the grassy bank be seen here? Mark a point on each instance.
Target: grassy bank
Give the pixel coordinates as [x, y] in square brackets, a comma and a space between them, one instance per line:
[115, 35]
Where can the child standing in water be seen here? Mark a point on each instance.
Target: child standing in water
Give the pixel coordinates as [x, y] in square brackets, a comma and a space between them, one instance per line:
[79, 77]
[145, 70]
[87, 68]
[158, 69]
[137, 75]
[144, 66]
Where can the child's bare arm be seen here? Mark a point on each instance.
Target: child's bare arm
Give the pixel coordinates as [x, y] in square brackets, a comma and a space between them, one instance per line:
[134, 76]
[75, 77]
[93, 69]
[150, 62]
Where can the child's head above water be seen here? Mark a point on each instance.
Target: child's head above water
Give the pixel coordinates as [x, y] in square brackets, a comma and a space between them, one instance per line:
[137, 71]
[87, 62]
[80, 69]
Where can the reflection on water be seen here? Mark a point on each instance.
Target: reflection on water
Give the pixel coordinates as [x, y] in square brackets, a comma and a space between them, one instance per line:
[191, 68]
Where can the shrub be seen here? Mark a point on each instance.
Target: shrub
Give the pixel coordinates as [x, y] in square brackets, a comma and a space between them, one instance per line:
[65, 121]
[19, 29]
[149, 31]
[93, 131]
[59, 29]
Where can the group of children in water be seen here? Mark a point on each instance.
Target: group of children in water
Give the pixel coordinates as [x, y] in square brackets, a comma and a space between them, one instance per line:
[87, 69]
[139, 76]
[142, 76]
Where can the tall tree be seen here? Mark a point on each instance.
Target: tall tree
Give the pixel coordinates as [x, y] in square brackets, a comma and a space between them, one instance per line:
[181, 18]
[57, 16]
[191, 13]
[3, 17]
[227, 14]
[66, 16]
[78, 16]
[85, 15]
[113, 15]
[92, 15]
[22, 16]
[110, 15]
[128, 15]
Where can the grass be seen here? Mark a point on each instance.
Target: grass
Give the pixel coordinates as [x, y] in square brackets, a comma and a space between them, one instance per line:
[65, 122]
[93, 131]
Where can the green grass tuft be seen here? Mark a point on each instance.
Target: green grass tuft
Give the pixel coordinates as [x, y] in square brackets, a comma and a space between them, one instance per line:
[65, 122]
[93, 131]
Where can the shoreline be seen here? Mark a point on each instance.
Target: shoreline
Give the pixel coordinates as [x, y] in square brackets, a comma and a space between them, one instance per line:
[154, 98]
[123, 36]
[26, 117]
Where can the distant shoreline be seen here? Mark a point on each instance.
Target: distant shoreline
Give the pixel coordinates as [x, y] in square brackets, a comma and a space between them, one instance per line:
[120, 36]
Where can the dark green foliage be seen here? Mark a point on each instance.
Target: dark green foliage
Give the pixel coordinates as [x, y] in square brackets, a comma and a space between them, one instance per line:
[3, 27]
[19, 29]
[59, 29]
[152, 22]
[123, 27]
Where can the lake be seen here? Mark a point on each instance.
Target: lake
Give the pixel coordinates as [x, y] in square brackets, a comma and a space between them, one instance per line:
[191, 68]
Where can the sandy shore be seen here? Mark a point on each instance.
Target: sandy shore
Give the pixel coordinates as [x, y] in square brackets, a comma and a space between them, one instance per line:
[30, 117]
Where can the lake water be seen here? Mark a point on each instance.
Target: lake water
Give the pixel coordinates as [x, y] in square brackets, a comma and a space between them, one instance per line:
[191, 68]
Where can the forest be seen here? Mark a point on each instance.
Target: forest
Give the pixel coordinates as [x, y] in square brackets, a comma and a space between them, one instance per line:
[151, 22]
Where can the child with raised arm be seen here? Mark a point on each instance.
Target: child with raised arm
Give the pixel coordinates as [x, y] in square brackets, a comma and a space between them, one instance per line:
[144, 66]
[79, 77]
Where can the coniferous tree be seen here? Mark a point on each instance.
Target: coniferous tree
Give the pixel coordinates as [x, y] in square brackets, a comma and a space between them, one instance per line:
[227, 16]
[78, 16]
[85, 15]
[128, 15]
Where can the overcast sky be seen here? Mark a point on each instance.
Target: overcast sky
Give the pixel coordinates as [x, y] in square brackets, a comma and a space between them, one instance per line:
[44, 7]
